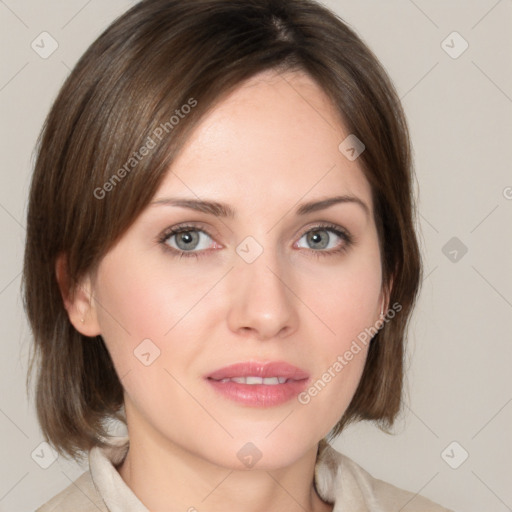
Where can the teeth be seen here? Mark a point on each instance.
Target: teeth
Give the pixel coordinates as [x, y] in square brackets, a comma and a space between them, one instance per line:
[269, 381]
[254, 380]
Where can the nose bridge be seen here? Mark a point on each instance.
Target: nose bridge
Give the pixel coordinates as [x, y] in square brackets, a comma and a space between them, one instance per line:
[261, 300]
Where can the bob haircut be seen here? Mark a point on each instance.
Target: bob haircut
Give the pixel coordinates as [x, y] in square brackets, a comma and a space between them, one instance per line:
[111, 136]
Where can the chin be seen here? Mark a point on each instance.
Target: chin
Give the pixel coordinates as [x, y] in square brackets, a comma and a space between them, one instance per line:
[258, 450]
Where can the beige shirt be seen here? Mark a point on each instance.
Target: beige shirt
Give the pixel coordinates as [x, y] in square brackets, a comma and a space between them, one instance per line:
[338, 480]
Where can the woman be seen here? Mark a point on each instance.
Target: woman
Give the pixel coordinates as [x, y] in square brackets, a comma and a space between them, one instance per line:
[221, 254]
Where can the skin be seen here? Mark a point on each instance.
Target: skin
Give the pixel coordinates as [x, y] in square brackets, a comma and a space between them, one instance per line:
[269, 146]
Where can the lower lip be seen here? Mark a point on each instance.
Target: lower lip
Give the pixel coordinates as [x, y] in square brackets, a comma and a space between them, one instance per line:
[259, 395]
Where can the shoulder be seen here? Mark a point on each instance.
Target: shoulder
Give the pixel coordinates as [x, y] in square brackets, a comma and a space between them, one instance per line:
[342, 481]
[388, 496]
[79, 496]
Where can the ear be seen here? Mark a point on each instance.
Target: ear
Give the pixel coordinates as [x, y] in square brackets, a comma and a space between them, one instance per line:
[79, 302]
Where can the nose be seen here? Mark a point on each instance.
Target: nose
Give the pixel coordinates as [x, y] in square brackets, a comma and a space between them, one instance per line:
[262, 302]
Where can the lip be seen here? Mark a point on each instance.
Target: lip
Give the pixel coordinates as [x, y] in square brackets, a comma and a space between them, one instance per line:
[259, 395]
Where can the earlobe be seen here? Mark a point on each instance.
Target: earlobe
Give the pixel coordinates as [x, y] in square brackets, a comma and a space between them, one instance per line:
[78, 302]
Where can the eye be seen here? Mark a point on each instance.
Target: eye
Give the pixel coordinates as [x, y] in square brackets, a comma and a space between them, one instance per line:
[186, 240]
[326, 239]
[194, 241]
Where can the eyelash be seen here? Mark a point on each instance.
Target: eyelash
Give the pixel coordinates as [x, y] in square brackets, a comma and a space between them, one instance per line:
[175, 230]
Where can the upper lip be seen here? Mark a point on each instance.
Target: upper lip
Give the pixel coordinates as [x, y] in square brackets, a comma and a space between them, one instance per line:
[259, 369]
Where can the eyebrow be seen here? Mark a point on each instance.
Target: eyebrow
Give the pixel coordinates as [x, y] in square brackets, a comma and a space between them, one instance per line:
[223, 210]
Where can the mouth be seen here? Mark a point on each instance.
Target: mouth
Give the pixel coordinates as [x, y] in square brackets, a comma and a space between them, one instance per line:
[259, 384]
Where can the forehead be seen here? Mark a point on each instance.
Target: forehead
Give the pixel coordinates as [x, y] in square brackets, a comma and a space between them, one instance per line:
[273, 140]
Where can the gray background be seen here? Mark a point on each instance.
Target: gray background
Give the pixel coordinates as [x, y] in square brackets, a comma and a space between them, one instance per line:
[459, 110]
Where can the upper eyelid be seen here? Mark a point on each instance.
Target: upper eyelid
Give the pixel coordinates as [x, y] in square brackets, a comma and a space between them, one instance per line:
[186, 226]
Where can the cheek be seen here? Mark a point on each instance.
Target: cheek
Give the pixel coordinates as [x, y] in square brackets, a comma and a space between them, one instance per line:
[354, 307]
[136, 303]
[346, 308]
[348, 300]
[141, 299]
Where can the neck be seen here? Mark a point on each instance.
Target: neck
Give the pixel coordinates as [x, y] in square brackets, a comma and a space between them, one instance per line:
[166, 476]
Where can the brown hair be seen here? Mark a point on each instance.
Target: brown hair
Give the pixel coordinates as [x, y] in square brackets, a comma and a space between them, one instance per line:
[140, 73]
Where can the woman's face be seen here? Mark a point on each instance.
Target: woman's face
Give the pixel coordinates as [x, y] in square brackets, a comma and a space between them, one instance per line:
[272, 282]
